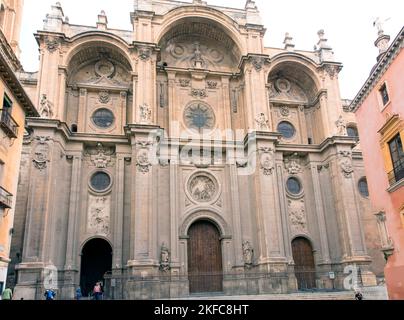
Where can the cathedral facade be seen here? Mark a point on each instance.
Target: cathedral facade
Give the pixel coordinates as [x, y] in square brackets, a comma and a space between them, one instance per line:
[183, 157]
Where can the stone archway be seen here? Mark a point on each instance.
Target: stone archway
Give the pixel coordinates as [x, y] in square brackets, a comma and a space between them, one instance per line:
[96, 260]
[205, 262]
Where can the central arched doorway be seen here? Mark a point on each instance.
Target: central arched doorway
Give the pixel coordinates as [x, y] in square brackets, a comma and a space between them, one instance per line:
[205, 258]
[96, 260]
[305, 267]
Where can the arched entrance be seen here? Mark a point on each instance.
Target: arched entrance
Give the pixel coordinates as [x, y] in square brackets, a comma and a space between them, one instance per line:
[205, 258]
[305, 267]
[96, 260]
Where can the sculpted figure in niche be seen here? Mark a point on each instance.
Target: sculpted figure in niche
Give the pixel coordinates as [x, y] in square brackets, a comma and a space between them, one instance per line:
[164, 258]
[197, 58]
[145, 114]
[248, 253]
[341, 127]
[46, 107]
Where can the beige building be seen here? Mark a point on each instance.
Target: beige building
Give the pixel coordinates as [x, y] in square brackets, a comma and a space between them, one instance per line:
[15, 106]
[183, 156]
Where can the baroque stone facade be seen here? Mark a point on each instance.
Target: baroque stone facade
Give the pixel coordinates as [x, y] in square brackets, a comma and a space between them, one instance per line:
[182, 120]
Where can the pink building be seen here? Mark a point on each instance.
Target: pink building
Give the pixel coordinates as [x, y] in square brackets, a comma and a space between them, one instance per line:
[379, 107]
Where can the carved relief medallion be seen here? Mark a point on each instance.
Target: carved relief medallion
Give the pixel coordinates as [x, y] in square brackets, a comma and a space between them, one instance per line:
[203, 188]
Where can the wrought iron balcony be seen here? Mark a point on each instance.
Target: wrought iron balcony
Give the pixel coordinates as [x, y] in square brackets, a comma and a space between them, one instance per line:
[8, 124]
[6, 198]
[397, 174]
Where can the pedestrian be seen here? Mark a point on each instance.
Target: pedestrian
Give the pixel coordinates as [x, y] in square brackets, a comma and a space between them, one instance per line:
[358, 295]
[97, 291]
[7, 294]
[79, 294]
[50, 294]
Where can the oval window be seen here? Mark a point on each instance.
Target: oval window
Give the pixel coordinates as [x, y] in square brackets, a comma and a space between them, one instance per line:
[294, 186]
[100, 181]
[286, 129]
[103, 118]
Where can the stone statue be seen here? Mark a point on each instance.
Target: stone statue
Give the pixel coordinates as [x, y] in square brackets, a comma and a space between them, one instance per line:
[164, 258]
[197, 57]
[248, 254]
[341, 127]
[262, 122]
[378, 23]
[46, 107]
[145, 114]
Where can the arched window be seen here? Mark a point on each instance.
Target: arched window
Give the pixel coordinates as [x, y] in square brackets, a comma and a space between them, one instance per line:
[352, 131]
[363, 187]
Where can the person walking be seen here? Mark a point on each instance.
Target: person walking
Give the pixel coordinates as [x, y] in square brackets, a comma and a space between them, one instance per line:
[79, 294]
[97, 291]
[50, 295]
[7, 294]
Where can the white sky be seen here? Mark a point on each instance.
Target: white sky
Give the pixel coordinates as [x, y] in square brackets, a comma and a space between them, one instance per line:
[348, 25]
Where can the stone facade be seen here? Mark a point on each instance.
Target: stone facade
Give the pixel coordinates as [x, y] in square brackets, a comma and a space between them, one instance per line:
[118, 155]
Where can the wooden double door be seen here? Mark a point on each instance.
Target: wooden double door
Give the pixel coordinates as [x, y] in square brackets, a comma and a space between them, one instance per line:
[305, 267]
[205, 264]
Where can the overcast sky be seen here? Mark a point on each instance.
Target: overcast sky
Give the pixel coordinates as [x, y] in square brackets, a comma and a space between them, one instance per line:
[348, 25]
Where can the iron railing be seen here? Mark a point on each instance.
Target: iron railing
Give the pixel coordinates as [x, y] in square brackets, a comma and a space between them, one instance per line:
[6, 198]
[8, 124]
[397, 174]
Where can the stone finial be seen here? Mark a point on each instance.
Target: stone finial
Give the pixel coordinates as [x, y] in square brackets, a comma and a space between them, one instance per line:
[325, 50]
[250, 4]
[54, 19]
[102, 22]
[288, 42]
[383, 41]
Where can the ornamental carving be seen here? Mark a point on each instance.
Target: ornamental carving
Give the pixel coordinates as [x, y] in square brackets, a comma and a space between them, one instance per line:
[258, 63]
[52, 44]
[143, 162]
[292, 165]
[144, 53]
[101, 157]
[262, 122]
[281, 89]
[145, 114]
[202, 188]
[212, 84]
[41, 154]
[297, 216]
[185, 83]
[285, 111]
[346, 163]
[199, 93]
[46, 107]
[104, 97]
[99, 215]
[104, 68]
[164, 259]
[248, 255]
[267, 160]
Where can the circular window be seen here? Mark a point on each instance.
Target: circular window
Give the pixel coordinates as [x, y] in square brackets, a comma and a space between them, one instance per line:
[363, 187]
[294, 186]
[286, 129]
[100, 181]
[103, 118]
[352, 132]
[199, 116]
